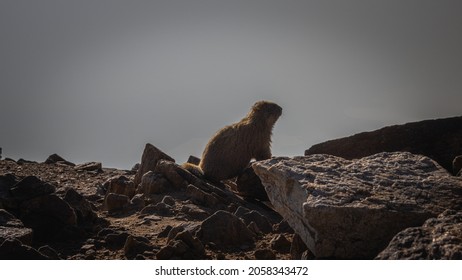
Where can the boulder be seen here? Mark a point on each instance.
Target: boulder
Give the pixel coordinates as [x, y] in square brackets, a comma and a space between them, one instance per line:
[82, 207]
[200, 197]
[50, 217]
[13, 228]
[160, 209]
[280, 244]
[55, 158]
[261, 221]
[264, 254]
[7, 181]
[172, 171]
[182, 246]
[438, 238]
[31, 187]
[89, 166]
[225, 230]
[114, 202]
[352, 209]
[439, 139]
[153, 183]
[135, 245]
[13, 249]
[151, 155]
[120, 185]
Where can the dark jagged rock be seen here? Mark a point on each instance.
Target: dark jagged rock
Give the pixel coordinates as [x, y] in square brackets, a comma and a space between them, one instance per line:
[31, 187]
[151, 155]
[249, 185]
[13, 228]
[254, 216]
[135, 245]
[114, 202]
[225, 230]
[89, 166]
[55, 158]
[82, 207]
[153, 183]
[439, 139]
[439, 238]
[13, 249]
[264, 254]
[182, 246]
[50, 217]
[120, 185]
[280, 244]
[297, 248]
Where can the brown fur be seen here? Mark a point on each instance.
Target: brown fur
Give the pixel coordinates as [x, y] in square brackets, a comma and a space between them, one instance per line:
[232, 148]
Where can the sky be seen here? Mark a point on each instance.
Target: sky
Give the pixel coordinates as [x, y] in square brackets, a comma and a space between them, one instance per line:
[95, 80]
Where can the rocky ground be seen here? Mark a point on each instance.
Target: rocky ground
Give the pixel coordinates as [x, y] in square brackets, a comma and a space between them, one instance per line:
[59, 211]
[394, 193]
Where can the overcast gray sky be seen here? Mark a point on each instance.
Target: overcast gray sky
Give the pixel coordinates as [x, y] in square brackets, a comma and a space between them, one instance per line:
[96, 80]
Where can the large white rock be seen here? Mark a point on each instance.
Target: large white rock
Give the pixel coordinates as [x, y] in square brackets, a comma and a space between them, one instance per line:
[351, 209]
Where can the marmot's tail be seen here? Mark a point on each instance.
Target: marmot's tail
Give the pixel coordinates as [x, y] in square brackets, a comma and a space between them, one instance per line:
[193, 169]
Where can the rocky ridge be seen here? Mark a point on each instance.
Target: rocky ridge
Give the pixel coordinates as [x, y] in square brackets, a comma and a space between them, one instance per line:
[60, 210]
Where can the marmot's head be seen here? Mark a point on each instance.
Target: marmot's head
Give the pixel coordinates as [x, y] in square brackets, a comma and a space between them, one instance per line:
[267, 111]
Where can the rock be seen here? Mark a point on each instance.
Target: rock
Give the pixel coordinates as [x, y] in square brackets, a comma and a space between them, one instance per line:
[297, 248]
[151, 155]
[252, 226]
[114, 202]
[82, 207]
[137, 202]
[135, 245]
[164, 233]
[120, 185]
[135, 167]
[225, 230]
[160, 208]
[438, 238]
[49, 252]
[254, 216]
[50, 217]
[169, 200]
[31, 187]
[116, 239]
[7, 181]
[352, 209]
[248, 185]
[182, 246]
[264, 254]
[153, 183]
[200, 197]
[13, 249]
[280, 244]
[439, 139]
[283, 226]
[194, 160]
[457, 165]
[194, 212]
[171, 171]
[55, 158]
[13, 228]
[89, 166]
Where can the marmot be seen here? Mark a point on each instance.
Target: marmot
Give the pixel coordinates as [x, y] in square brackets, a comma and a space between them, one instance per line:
[232, 148]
